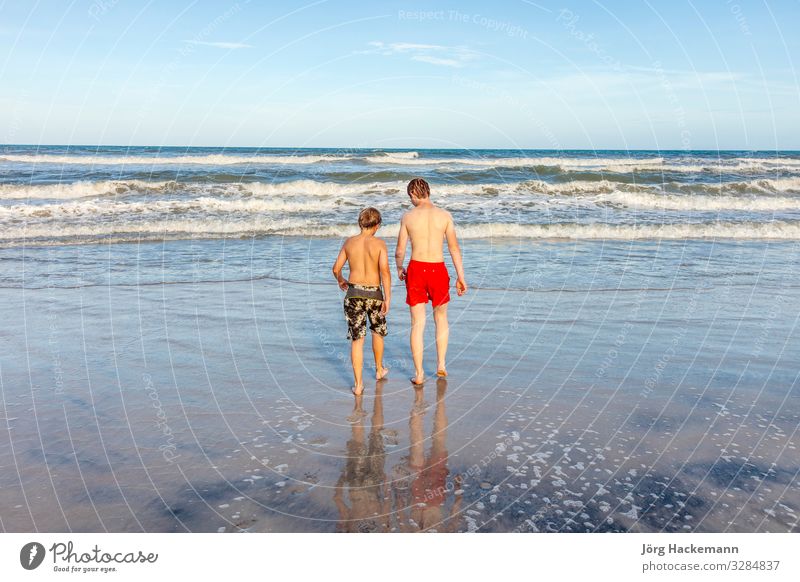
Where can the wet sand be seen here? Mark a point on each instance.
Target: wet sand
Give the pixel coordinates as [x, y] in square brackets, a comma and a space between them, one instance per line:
[207, 407]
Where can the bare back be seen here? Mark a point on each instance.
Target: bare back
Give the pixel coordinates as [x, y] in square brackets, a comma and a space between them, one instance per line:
[363, 256]
[426, 228]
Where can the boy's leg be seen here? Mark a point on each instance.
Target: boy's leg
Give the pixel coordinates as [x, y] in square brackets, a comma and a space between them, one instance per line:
[377, 351]
[417, 333]
[377, 324]
[442, 337]
[357, 357]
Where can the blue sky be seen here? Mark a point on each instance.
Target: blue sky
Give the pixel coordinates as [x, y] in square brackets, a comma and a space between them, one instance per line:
[512, 74]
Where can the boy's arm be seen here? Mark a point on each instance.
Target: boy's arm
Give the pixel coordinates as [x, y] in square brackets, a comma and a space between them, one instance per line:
[337, 269]
[400, 251]
[386, 278]
[455, 253]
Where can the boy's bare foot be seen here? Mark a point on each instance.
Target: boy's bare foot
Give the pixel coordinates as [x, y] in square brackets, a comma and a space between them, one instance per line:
[357, 390]
[442, 372]
[418, 380]
[381, 374]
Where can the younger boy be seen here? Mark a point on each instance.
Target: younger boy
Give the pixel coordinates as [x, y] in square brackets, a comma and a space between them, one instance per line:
[369, 269]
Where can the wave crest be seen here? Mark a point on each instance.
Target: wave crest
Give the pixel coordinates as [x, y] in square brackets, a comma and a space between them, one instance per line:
[219, 228]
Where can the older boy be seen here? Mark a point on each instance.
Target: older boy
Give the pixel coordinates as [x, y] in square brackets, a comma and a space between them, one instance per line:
[368, 260]
[428, 227]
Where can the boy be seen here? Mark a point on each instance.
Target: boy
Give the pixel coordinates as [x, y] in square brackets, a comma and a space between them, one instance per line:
[368, 260]
[428, 227]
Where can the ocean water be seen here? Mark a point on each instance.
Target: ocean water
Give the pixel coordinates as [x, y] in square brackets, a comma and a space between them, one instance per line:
[173, 354]
[55, 195]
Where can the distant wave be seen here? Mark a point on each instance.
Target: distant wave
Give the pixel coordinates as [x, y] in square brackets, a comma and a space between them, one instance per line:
[102, 188]
[78, 189]
[393, 157]
[206, 160]
[202, 205]
[514, 162]
[697, 203]
[217, 228]
[580, 187]
[611, 165]
[108, 188]
[209, 159]
[690, 164]
[328, 206]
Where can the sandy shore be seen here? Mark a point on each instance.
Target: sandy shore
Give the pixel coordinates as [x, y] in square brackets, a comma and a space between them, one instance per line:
[211, 406]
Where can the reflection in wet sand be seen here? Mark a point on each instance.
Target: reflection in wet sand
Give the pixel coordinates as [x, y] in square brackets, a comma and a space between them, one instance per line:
[415, 498]
[426, 475]
[363, 480]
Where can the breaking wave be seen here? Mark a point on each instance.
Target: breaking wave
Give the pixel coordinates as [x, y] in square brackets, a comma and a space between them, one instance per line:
[412, 158]
[106, 188]
[254, 227]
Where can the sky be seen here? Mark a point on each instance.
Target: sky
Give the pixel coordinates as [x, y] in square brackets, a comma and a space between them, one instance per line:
[511, 74]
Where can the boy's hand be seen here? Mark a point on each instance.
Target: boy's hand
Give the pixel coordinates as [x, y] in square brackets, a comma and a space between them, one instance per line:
[343, 285]
[461, 287]
[385, 308]
[401, 273]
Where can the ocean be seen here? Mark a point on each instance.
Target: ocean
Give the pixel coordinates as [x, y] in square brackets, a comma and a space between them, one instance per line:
[55, 195]
[173, 354]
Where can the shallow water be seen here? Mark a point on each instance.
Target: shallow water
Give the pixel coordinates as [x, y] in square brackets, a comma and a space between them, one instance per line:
[594, 386]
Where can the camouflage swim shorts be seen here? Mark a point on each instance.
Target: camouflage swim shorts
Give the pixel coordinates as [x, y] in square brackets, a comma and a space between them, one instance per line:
[358, 309]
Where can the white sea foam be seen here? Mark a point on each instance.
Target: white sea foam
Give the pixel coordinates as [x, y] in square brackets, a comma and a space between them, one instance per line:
[648, 201]
[211, 227]
[515, 162]
[78, 189]
[202, 205]
[114, 197]
[215, 227]
[315, 188]
[611, 165]
[393, 157]
[724, 230]
[776, 185]
[606, 164]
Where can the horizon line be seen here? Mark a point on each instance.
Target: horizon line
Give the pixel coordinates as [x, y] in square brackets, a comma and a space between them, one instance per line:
[409, 148]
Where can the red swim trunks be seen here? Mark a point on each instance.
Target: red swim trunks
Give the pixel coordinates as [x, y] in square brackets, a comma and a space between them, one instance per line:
[427, 281]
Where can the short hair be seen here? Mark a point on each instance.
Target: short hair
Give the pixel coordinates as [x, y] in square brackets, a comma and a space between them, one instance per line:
[418, 188]
[369, 217]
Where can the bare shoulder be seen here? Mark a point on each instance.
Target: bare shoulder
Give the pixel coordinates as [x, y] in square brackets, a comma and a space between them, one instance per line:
[444, 216]
[378, 243]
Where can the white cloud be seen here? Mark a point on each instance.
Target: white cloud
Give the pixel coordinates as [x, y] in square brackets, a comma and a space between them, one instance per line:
[437, 61]
[410, 46]
[222, 45]
[433, 54]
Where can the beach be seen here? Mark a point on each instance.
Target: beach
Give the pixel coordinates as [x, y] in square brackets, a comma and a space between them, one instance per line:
[174, 356]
